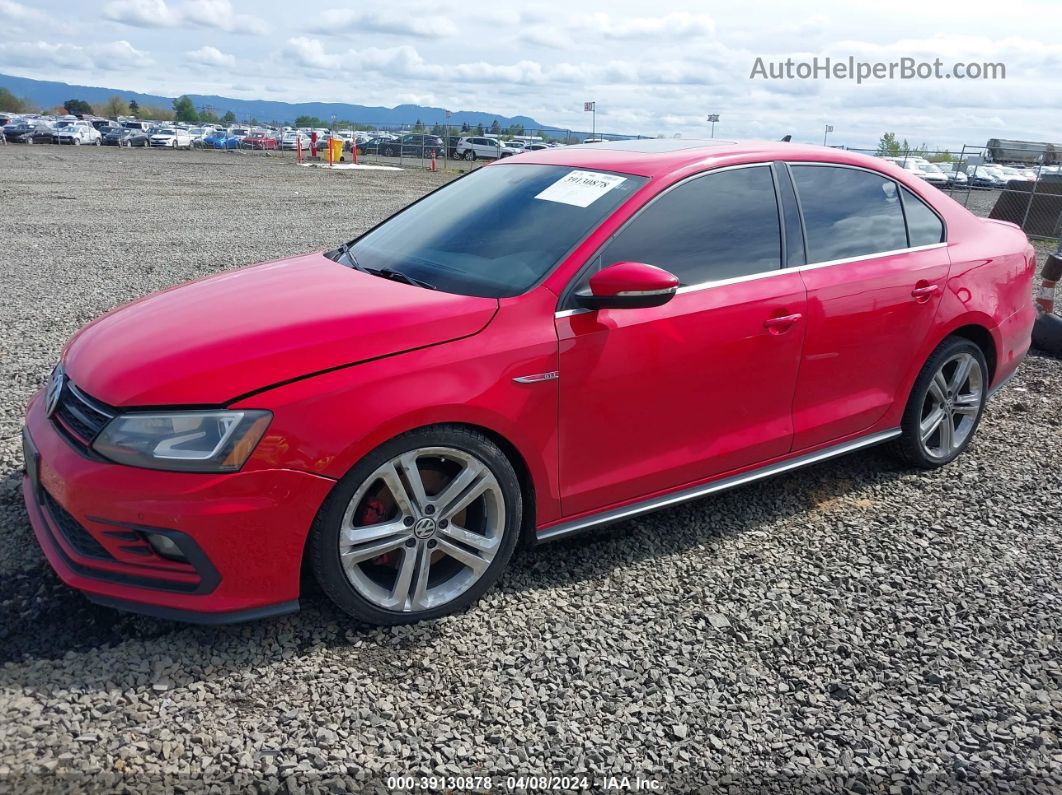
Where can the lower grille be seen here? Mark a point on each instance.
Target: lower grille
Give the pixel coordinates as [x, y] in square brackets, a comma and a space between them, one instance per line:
[73, 533]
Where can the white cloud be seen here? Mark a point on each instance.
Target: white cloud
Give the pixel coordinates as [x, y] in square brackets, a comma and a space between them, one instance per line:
[210, 56]
[142, 13]
[542, 36]
[336, 21]
[215, 14]
[16, 12]
[112, 56]
[219, 14]
[673, 26]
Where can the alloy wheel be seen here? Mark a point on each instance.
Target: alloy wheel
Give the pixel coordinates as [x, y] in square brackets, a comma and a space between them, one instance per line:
[422, 529]
[952, 405]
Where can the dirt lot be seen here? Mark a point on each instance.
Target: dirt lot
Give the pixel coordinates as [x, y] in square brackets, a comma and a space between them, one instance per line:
[854, 627]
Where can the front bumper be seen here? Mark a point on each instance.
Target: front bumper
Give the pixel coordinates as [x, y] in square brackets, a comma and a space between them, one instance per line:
[242, 533]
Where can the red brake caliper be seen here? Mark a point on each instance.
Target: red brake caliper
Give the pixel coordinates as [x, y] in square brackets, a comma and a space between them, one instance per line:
[373, 513]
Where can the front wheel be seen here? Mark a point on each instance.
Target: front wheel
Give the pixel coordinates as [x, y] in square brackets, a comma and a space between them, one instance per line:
[421, 527]
[945, 406]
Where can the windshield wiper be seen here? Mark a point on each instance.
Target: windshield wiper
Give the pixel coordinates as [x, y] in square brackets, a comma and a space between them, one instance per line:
[398, 276]
[384, 273]
[344, 251]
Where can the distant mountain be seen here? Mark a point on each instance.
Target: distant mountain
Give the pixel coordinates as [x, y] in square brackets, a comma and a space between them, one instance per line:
[49, 94]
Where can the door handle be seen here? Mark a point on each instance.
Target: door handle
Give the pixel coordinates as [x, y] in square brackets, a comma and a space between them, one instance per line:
[924, 290]
[782, 323]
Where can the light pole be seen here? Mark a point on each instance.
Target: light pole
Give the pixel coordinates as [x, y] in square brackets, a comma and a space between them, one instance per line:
[829, 129]
[592, 108]
[713, 118]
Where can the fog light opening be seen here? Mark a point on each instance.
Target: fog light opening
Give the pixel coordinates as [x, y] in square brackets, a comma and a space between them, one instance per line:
[165, 547]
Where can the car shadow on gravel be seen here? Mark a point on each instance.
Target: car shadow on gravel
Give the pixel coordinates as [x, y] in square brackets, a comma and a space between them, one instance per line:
[41, 618]
[825, 487]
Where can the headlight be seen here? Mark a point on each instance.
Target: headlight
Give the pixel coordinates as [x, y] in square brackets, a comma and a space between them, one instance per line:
[186, 441]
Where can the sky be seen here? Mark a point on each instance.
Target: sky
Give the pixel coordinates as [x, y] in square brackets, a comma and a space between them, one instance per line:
[652, 68]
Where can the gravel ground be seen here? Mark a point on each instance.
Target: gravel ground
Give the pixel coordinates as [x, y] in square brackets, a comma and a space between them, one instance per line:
[854, 627]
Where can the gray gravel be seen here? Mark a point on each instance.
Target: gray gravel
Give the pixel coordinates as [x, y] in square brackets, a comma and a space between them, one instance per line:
[855, 627]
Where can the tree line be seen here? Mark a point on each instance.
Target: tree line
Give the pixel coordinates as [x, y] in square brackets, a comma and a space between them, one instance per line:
[890, 146]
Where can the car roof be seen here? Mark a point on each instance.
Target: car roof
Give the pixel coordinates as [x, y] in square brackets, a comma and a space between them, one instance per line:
[657, 157]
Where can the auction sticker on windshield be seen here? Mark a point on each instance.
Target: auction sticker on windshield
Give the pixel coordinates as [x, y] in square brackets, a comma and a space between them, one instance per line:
[580, 188]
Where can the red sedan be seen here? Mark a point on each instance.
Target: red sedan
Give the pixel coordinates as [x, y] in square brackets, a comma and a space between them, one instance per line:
[558, 340]
[260, 141]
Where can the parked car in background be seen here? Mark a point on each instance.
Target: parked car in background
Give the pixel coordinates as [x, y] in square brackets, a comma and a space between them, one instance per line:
[29, 133]
[1016, 174]
[478, 148]
[77, 133]
[171, 138]
[143, 126]
[933, 174]
[260, 140]
[531, 350]
[413, 145]
[955, 175]
[372, 146]
[293, 140]
[986, 177]
[124, 136]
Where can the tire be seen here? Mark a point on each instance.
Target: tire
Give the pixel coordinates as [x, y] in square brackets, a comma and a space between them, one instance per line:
[943, 396]
[77, 142]
[381, 581]
[470, 155]
[389, 152]
[1047, 332]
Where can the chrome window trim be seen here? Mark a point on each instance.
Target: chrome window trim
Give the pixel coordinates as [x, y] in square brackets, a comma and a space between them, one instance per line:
[684, 495]
[690, 288]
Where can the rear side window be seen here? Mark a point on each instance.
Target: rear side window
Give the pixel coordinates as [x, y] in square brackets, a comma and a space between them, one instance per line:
[924, 226]
[848, 212]
[718, 226]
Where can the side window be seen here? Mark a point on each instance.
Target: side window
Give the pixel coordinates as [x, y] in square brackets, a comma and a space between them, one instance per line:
[718, 226]
[924, 227]
[848, 212]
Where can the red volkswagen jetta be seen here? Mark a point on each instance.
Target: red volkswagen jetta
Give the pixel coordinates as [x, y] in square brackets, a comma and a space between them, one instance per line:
[562, 339]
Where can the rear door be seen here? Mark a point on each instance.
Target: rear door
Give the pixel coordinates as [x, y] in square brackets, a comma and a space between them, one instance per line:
[877, 268]
[651, 399]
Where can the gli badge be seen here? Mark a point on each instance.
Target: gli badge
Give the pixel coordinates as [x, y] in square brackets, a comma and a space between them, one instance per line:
[55, 389]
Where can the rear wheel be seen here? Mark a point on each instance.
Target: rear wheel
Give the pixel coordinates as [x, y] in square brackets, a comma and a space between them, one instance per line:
[419, 528]
[470, 155]
[945, 406]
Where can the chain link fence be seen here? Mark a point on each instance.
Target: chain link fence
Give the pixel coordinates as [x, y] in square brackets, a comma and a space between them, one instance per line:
[1026, 191]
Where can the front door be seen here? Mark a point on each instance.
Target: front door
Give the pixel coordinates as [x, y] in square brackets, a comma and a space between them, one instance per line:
[652, 399]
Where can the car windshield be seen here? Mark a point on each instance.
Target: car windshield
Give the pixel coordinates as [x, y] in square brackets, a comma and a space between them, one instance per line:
[497, 231]
[165, 132]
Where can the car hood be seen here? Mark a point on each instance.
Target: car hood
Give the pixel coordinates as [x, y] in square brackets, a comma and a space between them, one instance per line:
[210, 341]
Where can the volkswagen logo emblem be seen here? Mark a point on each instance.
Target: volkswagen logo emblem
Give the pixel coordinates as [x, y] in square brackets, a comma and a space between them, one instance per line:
[425, 528]
[54, 391]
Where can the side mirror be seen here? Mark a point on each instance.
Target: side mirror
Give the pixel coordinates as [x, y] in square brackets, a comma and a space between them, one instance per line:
[628, 285]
